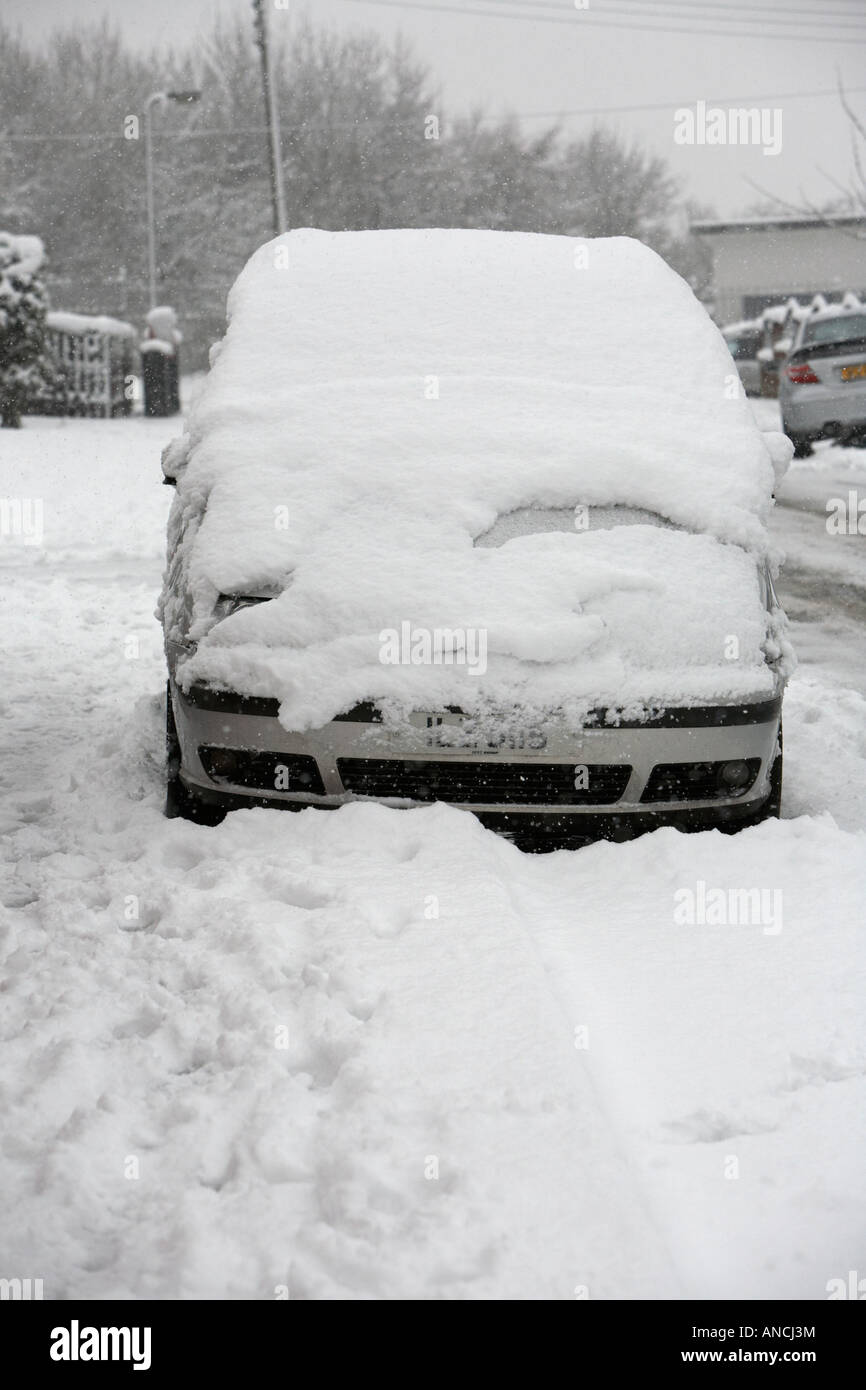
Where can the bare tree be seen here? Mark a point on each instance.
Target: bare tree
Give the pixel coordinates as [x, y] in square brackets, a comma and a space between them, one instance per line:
[848, 198]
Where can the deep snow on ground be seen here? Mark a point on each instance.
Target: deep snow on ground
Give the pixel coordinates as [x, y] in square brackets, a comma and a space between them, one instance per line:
[383, 1054]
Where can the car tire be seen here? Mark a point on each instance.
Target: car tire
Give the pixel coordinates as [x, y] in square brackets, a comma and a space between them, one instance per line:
[179, 803]
[772, 808]
[802, 443]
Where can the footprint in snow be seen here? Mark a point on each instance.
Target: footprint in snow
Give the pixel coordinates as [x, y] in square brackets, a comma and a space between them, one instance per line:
[713, 1126]
[284, 888]
[816, 1071]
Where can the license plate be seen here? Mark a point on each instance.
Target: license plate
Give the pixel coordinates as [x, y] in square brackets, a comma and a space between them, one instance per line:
[448, 730]
[855, 372]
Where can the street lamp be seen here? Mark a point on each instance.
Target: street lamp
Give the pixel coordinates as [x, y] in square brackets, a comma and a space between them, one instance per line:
[272, 116]
[156, 99]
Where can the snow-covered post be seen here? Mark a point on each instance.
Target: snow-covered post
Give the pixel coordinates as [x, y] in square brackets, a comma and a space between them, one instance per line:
[160, 367]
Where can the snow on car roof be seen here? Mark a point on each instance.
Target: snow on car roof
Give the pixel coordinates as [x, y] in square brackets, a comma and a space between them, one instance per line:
[836, 311]
[381, 398]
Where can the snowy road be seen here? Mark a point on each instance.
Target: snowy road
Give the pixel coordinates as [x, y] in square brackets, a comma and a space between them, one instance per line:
[382, 1054]
[823, 583]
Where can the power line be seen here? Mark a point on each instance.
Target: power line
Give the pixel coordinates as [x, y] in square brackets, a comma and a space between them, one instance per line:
[181, 135]
[765, 11]
[673, 105]
[519, 115]
[715, 13]
[580, 19]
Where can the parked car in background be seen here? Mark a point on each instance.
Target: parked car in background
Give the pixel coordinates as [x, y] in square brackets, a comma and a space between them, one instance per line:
[822, 390]
[744, 341]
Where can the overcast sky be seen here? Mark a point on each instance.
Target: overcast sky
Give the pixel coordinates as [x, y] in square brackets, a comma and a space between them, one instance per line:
[563, 59]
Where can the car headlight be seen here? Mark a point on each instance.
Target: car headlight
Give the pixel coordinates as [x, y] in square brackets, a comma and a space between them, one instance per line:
[227, 604]
[736, 775]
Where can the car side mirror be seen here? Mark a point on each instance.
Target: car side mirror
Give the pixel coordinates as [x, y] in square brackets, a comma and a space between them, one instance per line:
[174, 459]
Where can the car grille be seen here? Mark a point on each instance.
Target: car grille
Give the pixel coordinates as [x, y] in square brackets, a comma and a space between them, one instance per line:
[488, 783]
[694, 782]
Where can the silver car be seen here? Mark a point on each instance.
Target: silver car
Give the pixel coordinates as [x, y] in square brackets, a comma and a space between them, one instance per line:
[744, 342]
[822, 388]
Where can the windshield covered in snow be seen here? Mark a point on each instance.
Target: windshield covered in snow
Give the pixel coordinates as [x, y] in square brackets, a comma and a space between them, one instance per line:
[529, 521]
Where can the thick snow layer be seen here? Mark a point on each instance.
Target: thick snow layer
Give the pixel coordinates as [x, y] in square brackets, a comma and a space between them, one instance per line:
[735, 330]
[157, 345]
[64, 322]
[611, 652]
[382, 398]
[380, 1054]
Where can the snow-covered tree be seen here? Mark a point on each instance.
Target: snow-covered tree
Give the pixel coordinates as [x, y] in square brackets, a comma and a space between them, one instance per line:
[24, 365]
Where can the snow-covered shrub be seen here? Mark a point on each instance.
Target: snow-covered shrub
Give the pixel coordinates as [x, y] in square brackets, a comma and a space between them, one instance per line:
[26, 369]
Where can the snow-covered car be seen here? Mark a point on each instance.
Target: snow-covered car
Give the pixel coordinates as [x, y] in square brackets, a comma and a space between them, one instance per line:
[473, 517]
[822, 388]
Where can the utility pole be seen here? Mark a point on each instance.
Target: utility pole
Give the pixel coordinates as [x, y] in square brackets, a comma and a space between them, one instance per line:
[272, 118]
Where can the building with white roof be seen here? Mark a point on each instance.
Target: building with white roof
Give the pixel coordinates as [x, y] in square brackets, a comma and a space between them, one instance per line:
[759, 261]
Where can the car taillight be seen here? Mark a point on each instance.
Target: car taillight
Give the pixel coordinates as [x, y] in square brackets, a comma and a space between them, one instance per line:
[802, 375]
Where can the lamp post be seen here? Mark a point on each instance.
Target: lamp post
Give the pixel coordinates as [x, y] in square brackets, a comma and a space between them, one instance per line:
[156, 99]
[272, 116]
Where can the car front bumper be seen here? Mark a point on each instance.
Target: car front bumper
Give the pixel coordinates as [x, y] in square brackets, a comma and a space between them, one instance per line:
[620, 761]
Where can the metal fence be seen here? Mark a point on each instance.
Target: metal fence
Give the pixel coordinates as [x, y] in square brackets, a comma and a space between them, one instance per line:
[93, 361]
